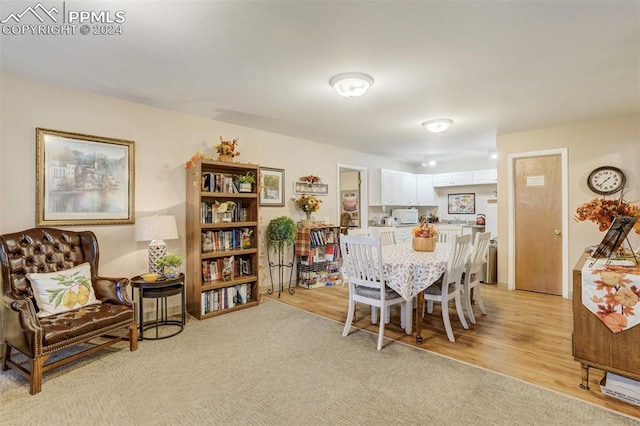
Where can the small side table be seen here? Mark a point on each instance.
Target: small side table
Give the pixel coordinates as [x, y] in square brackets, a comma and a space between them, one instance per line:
[159, 290]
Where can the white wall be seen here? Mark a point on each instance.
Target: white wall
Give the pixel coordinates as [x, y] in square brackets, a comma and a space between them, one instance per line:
[164, 141]
[610, 141]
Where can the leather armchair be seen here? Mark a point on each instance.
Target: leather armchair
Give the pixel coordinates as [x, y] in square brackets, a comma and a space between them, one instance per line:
[42, 250]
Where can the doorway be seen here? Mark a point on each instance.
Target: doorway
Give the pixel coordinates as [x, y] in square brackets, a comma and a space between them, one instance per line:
[352, 194]
[538, 212]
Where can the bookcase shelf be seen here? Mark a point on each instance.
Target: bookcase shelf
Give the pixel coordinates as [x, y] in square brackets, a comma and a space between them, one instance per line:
[317, 252]
[215, 235]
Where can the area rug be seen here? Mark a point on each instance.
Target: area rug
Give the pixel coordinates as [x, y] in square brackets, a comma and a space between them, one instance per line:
[277, 365]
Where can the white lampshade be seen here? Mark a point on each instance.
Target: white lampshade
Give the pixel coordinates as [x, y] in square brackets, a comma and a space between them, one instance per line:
[156, 229]
[351, 84]
[437, 125]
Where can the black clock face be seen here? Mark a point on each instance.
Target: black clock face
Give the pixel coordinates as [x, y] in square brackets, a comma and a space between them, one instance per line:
[606, 180]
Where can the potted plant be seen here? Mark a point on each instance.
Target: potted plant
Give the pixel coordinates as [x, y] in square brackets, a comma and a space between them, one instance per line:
[245, 181]
[281, 233]
[170, 264]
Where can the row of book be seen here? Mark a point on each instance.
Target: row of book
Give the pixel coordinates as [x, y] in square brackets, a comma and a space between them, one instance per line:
[218, 182]
[211, 213]
[230, 239]
[321, 254]
[226, 268]
[320, 237]
[225, 298]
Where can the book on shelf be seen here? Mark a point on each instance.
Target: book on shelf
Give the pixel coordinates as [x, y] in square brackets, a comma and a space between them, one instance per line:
[212, 269]
[225, 298]
[218, 182]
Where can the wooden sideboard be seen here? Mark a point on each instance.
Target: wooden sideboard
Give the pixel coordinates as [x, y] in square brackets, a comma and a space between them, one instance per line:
[594, 345]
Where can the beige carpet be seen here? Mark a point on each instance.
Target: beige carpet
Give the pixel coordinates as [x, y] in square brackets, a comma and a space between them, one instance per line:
[277, 365]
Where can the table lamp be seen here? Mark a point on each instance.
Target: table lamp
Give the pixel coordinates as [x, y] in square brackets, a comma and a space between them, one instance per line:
[156, 229]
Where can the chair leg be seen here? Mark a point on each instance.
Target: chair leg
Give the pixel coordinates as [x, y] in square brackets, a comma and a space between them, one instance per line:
[381, 333]
[480, 301]
[6, 355]
[447, 321]
[374, 315]
[430, 306]
[463, 320]
[133, 337]
[468, 307]
[347, 325]
[387, 314]
[403, 315]
[36, 373]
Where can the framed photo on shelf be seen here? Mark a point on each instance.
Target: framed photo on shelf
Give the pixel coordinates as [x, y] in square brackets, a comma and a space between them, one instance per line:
[461, 203]
[272, 187]
[300, 188]
[83, 179]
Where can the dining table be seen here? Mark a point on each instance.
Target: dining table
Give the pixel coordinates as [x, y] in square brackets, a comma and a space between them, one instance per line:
[410, 273]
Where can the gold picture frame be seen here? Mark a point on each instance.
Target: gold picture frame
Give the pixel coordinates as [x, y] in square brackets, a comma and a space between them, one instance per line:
[83, 179]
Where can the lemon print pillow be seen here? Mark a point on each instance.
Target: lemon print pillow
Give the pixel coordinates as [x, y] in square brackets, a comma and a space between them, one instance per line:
[63, 291]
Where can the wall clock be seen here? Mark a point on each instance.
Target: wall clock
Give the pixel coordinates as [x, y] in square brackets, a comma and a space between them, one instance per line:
[606, 180]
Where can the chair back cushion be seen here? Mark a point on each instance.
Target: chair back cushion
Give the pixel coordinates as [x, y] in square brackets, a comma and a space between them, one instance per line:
[63, 291]
[43, 250]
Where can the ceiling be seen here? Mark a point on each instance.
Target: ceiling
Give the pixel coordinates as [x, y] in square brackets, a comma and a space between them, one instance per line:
[494, 67]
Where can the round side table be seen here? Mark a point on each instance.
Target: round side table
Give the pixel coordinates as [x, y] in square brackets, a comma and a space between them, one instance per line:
[159, 290]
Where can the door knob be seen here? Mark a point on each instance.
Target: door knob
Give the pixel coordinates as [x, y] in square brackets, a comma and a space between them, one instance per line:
[557, 232]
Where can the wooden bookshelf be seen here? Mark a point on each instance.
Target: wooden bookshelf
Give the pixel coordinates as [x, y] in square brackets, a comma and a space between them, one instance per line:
[214, 237]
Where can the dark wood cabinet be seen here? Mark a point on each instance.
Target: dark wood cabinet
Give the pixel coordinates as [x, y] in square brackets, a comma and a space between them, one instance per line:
[594, 345]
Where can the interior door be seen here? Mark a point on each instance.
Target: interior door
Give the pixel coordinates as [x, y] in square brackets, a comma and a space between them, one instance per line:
[538, 224]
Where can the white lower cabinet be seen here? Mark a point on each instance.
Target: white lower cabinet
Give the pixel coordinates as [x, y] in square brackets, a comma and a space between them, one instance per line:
[404, 233]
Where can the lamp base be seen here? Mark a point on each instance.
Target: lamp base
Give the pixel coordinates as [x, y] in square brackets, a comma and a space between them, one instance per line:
[157, 250]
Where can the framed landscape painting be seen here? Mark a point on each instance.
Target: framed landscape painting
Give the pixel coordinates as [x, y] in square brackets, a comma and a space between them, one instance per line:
[271, 187]
[83, 179]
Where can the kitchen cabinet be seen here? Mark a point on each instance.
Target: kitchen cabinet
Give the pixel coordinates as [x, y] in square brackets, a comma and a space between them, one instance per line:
[453, 179]
[391, 188]
[485, 176]
[425, 195]
[404, 233]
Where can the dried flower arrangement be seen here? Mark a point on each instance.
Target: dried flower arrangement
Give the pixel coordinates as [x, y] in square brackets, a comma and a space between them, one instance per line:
[424, 230]
[603, 212]
[310, 179]
[227, 148]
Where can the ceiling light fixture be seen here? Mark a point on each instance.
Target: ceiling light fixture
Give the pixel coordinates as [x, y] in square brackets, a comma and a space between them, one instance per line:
[493, 155]
[437, 125]
[351, 84]
[429, 162]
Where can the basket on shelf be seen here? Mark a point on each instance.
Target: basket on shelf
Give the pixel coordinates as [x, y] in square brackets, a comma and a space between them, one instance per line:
[224, 157]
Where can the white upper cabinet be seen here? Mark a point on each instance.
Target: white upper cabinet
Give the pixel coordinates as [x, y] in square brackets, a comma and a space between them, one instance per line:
[485, 176]
[409, 189]
[453, 179]
[476, 177]
[391, 188]
[425, 194]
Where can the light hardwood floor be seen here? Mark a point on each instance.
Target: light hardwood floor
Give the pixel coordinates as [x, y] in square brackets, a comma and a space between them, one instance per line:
[525, 335]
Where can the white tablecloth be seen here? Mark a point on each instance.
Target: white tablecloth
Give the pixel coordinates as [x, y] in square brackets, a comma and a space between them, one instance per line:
[409, 272]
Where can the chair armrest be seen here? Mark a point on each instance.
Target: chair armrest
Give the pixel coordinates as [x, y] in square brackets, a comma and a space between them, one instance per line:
[112, 290]
[21, 326]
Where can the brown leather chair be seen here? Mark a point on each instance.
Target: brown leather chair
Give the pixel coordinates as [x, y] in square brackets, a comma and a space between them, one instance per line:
[42, 250]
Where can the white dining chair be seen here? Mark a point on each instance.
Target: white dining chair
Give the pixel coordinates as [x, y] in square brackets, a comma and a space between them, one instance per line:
[359, 232]
[387, 235]
[472, 272]
[448, 286]
[446, 235]
[362, 258]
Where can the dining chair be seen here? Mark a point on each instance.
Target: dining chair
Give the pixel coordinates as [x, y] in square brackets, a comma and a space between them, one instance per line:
[359, 232]
[446, 235]
[448, 286]
[472, 272]
[387, 235]
[362, 258]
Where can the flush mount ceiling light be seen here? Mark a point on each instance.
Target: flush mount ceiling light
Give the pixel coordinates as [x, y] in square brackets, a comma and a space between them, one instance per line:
[492, 155]
[429, 162]
[351, 84]
[437, 125]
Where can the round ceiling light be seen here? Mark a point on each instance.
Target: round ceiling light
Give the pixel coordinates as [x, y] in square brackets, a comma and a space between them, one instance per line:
[437, 125]
[351, 84]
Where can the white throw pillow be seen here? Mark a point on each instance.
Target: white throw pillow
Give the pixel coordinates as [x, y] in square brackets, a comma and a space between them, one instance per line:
[63, 291]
